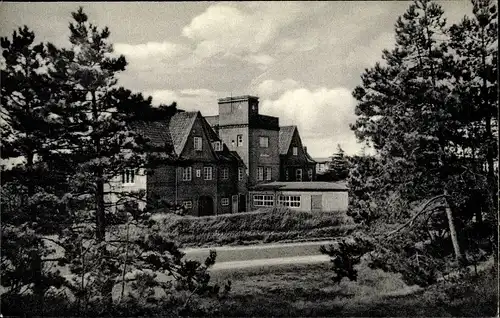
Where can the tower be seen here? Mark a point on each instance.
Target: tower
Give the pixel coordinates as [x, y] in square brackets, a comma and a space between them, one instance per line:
[253, 136]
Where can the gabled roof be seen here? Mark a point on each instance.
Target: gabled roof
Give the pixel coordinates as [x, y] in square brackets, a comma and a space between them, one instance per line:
[211, 134]
[157, 132]
[237, 157]
[286, 135]
[180, 126]
[213, 120]
[309, 158]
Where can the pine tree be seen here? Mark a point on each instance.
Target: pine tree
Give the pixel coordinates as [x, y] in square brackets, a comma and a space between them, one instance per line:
[339, 166]
[98, 144]
[30, 206]
[475, 43]
[407, 112]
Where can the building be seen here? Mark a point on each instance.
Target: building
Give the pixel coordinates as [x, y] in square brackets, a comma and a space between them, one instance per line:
[301, 196]
[295, 162]
[218, 159]
[253, 136]
[322, 164]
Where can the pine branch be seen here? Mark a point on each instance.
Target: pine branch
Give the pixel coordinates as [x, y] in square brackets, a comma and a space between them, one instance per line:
[422, 210]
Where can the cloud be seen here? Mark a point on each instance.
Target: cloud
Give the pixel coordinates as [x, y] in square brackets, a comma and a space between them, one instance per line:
[150, 49]
[368, 54]
[226, 29]
[270, 88]
[322, 116]
[302, 45]
[263, 60]
[204, 100]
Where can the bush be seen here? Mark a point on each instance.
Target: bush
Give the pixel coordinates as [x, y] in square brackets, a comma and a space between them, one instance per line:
[268, 225]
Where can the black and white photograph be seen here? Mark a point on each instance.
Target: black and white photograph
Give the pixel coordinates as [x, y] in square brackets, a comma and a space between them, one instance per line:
[249, 159]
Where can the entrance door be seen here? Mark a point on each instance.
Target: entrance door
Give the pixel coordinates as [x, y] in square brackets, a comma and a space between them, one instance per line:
[205, 206]
[242, 202]
[316, 203]
[235, 203]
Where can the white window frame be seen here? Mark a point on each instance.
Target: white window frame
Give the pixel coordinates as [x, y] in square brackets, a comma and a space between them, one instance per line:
[295, 151]
[128, 177]
[224, 201]
[269, 173]
[298, 174]
[187, 173]
[260, 173]
[217, 146]
[207, 173]
[263, 200]
[240, 174]
[291, 201]
[198, 173]
[239, 140]
[310, 174]
[225, 173]
[197, 143]
[264, 142]
[188, 204]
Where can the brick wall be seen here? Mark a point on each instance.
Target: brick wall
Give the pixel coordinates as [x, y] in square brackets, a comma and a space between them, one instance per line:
[263, 157]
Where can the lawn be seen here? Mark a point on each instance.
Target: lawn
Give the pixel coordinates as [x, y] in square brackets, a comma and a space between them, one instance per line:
[307, 290]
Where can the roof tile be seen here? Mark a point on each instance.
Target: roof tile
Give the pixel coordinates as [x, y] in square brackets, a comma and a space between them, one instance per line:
[179, 127]
[286, 135]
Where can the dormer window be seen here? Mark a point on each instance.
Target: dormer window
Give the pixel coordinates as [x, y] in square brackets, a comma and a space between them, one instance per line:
[295, 151]
[217, 146]
[197, 143]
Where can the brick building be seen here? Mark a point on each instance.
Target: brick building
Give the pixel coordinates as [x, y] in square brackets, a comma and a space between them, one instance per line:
[220, 158]
[295, 162]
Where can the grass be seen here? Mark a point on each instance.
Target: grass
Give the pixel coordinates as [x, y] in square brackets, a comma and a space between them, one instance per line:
[306, 290]
[249, 228]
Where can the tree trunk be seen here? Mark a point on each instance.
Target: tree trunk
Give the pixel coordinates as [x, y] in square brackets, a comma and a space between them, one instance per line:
[453, 233]
[100, 210]
[107, 290]
[36, 266]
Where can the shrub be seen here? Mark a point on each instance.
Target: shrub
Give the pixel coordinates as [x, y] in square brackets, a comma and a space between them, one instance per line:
[267, 225]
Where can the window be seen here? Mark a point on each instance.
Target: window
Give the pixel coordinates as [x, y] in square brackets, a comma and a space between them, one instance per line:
[224, 201]
[240, 174]
[128, 176]
[207, 173]
[197, 143]
[295, 151]
[264, 142]
[263, 200]
[217, 146]
[287, 176]
[268, 173]
[289, 200]
[225, 173]
[198, 173]
[260, 173]
[188, 204]
[186, 174]
[239, 140]
[310, 174]
[298, 175]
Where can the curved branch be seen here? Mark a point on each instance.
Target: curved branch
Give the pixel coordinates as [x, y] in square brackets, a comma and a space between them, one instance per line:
[422, 210]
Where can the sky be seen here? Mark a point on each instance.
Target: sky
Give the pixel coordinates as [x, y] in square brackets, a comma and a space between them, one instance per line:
[302, 59]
